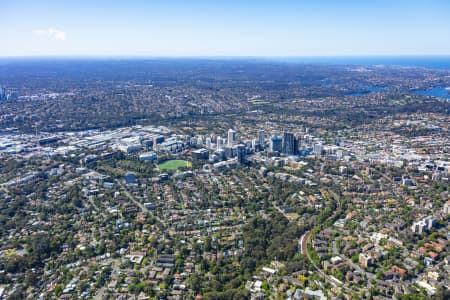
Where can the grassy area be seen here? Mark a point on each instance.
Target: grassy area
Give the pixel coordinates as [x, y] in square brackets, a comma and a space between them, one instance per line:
[258, 102]
[172, 165]
[399, 102]
[292, 216]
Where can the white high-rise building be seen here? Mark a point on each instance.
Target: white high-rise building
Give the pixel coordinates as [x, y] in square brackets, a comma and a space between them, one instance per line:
[219, 142]
[208, 142]
[231, 137]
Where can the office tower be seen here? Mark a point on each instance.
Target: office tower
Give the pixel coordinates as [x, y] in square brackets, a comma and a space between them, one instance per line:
[230, 151]
[254, 144]
[288, 144]
[298, 144]
[219, 142]
[231, 137]
[276, 144]
[261, 137]
[208, 142]
[241, 152]
[2, 93]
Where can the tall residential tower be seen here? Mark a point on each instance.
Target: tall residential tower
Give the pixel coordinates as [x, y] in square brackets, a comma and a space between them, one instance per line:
[231, 137]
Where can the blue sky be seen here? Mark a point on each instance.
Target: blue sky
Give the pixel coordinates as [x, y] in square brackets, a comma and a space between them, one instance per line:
[224, 28]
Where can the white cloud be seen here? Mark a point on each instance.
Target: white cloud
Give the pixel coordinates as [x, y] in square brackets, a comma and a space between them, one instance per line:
[51, 33]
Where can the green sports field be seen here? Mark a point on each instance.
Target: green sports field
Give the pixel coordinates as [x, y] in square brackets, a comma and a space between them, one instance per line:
[172, 165]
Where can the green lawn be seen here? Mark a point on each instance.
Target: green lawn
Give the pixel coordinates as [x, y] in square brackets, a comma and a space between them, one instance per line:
[259, 102]
[172, 165]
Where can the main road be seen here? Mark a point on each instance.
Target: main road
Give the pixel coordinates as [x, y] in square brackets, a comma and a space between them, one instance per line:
[304, 240]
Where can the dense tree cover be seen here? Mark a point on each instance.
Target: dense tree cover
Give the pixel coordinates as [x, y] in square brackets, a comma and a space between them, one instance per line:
[39, 247]
[226, 281]
[11, 165]
[269, 239]
[265, 239]
[118, 166]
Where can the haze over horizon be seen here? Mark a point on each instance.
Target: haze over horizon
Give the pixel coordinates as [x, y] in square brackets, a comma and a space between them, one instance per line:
[201, 28]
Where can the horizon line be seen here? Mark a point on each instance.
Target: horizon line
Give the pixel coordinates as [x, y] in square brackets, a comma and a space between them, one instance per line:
[218, 56]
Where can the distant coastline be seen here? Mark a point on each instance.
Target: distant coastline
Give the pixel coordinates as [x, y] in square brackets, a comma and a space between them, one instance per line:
[438, 62]
[429, 62]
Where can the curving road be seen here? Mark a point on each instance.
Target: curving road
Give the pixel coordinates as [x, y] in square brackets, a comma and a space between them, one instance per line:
[304, 240]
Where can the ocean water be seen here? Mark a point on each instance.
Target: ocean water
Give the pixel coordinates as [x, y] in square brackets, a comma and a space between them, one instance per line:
[429, 62]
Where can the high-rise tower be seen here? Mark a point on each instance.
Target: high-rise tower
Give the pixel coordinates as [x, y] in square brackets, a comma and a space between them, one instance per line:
[231, 137]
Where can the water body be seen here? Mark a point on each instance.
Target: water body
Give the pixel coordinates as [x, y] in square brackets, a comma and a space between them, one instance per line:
[429, 62]
[438, 92]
